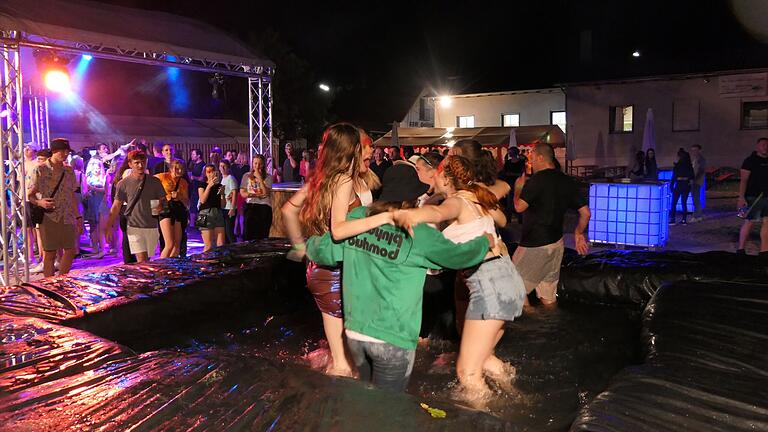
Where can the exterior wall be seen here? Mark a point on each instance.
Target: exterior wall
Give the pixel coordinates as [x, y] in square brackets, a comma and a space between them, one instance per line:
[723, 141]
[534, 107]
[418, 117]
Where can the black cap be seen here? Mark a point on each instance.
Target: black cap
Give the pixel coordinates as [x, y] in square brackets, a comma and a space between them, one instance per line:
[60, 144]
[401, 183]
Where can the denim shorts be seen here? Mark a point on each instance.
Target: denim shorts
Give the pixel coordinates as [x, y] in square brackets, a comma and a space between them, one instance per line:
[496, 291]
[759, 210]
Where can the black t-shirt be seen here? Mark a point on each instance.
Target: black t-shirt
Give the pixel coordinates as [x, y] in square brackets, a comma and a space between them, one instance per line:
[758, 175]
[549, 193]
[381, 168]
[214, 196]
[290, 174]
[195, 169]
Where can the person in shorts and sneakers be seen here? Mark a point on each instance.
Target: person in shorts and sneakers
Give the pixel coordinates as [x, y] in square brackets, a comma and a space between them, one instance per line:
[139, 190]
[53, 187]
[543, 200]
[753, 195]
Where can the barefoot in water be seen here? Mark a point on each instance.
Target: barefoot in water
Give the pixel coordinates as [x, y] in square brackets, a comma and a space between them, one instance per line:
[500, 373]
[476, 396]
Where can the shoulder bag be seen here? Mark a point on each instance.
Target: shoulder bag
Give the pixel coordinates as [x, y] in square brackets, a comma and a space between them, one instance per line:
[36, 212]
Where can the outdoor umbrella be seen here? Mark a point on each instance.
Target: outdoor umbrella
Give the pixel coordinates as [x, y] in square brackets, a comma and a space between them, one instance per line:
[649, 136]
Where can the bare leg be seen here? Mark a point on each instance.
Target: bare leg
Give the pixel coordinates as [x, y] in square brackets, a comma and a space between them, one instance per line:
[166, 227]
[764, 236]
[65, 263]
[39, 243]
[334, 333]
[221, 236]
[48, 259]
[207, 236]
[477, 343]
[176, 239]
[142, 256]
[744, 233]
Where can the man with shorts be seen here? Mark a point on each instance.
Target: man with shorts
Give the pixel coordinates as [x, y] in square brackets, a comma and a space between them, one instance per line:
[53, 187]
[138, 190]
[753, 194]
[543, 200]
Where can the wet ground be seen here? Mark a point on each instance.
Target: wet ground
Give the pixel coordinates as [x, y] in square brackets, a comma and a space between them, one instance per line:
[564, 357]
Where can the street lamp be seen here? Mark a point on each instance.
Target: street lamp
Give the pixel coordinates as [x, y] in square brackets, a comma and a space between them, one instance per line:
[445, 101]
[324, 87]
[636, 54]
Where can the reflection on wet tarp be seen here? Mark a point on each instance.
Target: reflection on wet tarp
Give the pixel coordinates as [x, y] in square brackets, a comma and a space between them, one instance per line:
[706, 364]
[632, 277]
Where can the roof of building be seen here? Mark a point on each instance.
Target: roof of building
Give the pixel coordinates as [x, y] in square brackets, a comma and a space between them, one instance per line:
[73, 22]
[665, 77]
[486, 136]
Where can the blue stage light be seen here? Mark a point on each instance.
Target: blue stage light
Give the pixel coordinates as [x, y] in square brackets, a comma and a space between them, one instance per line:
[87, 57]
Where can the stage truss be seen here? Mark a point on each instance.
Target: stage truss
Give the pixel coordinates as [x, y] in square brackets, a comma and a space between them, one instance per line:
[15, 244]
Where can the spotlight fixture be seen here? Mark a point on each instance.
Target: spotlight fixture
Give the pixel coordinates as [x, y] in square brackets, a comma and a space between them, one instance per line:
[54, 68]
[445, 101]
[324, 87]
[636, 54]
[87, 57]
[219, 90]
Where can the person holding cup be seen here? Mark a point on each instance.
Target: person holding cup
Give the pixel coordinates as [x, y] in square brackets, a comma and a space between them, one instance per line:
[210, 219]
[144, 197]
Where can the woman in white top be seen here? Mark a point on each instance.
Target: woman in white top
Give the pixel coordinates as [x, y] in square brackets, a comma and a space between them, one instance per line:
[255, 188]
[341, 182]
[496, 289]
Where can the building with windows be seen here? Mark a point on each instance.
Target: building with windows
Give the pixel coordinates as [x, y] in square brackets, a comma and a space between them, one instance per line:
[724, 112]
[512, 108]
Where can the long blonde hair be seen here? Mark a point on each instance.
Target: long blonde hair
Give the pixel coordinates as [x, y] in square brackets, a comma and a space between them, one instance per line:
[338, 158]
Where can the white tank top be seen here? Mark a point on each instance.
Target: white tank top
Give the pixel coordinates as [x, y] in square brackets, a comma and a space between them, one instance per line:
[462, 233]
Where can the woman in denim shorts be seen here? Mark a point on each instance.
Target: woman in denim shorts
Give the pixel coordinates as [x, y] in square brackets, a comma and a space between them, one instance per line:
[210, 218]
[496, 290]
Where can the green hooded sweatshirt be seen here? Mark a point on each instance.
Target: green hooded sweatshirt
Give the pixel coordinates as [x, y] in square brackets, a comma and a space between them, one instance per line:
[384, 271]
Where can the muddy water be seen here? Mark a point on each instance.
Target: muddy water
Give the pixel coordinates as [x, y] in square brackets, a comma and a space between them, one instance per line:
[564, 357]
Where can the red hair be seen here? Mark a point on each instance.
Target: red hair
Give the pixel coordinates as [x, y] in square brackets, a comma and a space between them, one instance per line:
[461, 174]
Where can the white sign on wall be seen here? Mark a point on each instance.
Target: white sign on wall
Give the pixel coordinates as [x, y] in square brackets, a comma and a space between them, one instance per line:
[743, 85]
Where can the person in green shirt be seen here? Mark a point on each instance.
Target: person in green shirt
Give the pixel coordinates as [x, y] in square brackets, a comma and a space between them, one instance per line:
[384, 271]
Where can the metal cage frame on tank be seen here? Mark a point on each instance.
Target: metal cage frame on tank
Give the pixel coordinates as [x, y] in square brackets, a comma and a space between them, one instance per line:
[631, 214]
[666, 175]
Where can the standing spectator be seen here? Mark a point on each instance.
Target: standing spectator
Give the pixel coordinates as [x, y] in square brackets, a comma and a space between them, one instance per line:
[30, 163]
[393, 152]
[240, 166]
[682, 176]
[699, 172]
[304, 165]
[173, 219]
[140, 191]
[273, 171]
[95, 188]
[78, 168]
[215, 156]
[753, 193]
[230, 156]
[156, 156]
[53, 189]
[408, 152]
[256, 189]
[230, 200]
[637, 170]
[290, 166]
[195, 169]
[543, 199]
[210, 192]
[128, 257]
[651, 168]
[164, 165]
[379, 164]
[514, 167]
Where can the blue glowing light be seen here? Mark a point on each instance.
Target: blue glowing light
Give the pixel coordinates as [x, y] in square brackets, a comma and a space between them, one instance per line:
[179, 95]
[87, 57]
[629, 214]
[666, 175]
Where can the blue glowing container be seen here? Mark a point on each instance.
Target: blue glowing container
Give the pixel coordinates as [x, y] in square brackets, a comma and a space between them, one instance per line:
[635, 214]
[666, 175]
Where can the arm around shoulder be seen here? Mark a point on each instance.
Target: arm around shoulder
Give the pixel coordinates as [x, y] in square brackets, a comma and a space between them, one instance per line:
[444, 253]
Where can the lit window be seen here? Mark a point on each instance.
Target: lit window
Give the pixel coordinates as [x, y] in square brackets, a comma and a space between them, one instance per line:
[465, 121]
[754, 115]
[510, 120]
[621, 119]
[557, 118]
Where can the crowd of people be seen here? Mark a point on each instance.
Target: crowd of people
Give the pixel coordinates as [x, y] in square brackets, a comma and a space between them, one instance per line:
[407, 226]
[137, 197]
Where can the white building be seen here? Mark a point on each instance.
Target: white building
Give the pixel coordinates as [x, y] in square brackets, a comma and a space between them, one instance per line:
[724, 112]
[512, 108]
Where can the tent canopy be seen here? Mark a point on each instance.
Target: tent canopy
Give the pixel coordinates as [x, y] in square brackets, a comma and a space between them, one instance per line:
[486, 136]
[82, 131]
[73, 23]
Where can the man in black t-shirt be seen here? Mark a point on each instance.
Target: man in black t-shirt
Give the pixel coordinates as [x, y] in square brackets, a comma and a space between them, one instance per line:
[543, 200]
[753, 194]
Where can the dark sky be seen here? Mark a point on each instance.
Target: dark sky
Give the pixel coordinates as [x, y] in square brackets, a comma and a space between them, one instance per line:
[378, 55]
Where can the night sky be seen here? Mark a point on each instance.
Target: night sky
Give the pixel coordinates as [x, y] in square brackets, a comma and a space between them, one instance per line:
[379, 55]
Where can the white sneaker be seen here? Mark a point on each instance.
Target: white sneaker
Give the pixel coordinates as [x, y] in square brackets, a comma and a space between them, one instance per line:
[37, 269]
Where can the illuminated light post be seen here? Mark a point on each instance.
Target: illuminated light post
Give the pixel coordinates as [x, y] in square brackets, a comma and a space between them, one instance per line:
[445, 101]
